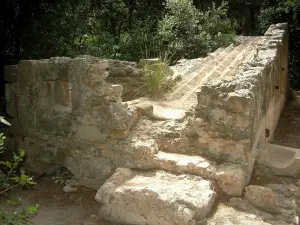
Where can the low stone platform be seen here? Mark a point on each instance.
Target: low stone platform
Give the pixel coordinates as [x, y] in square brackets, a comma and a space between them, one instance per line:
[284, 161]
[156, 197]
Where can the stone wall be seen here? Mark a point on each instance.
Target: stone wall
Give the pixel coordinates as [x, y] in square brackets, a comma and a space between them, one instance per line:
[63, 107]
[242, 110]
[70, 112]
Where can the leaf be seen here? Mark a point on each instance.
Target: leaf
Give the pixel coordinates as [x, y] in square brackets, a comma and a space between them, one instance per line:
[2, 120]
[8, 164]
[14, 202]
[21, 152]
[17, 179]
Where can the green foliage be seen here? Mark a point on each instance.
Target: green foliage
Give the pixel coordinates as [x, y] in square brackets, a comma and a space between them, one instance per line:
[18, 214]
[10, 177]
[190, 33]
[128, 30]
[285, 11]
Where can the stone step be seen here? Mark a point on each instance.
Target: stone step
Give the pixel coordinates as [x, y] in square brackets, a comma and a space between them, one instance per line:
[230, 178]
[208, 63]
[234, 63]
[284, 161]
[155, 198]
[179, 163]
[157, 111]
[203, 77]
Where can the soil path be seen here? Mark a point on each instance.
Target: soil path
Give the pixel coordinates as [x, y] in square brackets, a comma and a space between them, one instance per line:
[57, 207]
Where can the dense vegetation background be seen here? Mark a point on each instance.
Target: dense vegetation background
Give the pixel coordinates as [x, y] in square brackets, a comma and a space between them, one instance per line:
[131, 29]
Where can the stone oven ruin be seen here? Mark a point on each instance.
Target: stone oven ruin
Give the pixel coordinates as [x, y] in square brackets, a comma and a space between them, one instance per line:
[155, 162]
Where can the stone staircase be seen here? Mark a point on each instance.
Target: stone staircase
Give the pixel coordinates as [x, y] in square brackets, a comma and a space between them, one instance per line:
[224, 63]
[170, 182]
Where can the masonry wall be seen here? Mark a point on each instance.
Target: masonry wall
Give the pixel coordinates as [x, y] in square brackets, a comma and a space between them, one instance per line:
[242, 110]
[70, 112]
[62, 108]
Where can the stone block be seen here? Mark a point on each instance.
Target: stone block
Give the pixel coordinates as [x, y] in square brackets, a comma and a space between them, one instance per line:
[117, 73]
[53, 68]
[91, 133]
[11, 73]
[231, 179]
[152, 198]
[117, 90]
[122, 118]
[263, 197]
[238, 103]
[28, 72]
[123, 69]
[90, 69]
[11, 99]
[63, 65]
[283, 161]
[54, 121]
[27, 100]
[181, 164]
[54, 93]
[89, 169]
[247, 215]
[16, 128]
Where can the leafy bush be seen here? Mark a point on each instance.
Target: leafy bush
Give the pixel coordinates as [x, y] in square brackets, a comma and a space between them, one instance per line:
[11, 177]
[273, 12]
[190, 33]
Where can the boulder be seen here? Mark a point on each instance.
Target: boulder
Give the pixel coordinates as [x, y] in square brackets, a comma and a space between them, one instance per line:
[156, 197]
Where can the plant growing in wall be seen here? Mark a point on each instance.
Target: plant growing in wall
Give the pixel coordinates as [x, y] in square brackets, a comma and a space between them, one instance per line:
[155, 76]
[12, 177]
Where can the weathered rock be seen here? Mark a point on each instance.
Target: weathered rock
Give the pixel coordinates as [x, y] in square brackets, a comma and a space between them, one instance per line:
[90, 133]
[262, 197]
[27, 72]
[11, 99]
[181, 164]
[123, 69]
[54, 68]
[153, 198]
[297, 192]
[284, 216]
[245, 206]
[231, 179]
[271, 201]
[117, 90]
[245, 104]
[227, 214]
[69, 189]
[54, 122]
[282, 160]
[155, 111]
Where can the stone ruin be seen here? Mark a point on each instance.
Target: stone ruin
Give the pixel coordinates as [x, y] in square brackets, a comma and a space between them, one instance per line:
[155, 162]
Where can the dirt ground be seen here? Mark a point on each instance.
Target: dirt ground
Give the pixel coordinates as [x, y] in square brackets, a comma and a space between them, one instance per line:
[59, 208]
[288, 129]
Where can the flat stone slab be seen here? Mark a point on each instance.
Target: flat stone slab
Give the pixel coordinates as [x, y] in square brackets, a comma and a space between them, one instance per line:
[180, 163]
[155, 197]
[157, 111]
[168, 113]
[226, 214]
[284, 161]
